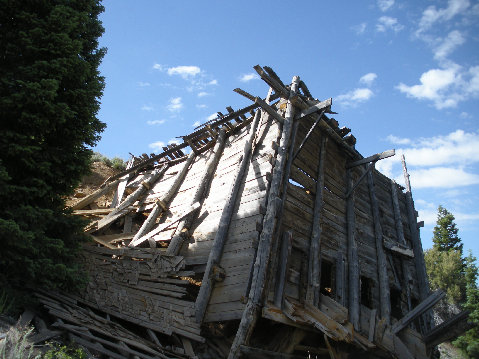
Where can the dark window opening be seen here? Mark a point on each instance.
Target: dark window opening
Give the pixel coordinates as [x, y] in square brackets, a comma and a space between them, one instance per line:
[327, 278]
[396, 299]
[367, 285]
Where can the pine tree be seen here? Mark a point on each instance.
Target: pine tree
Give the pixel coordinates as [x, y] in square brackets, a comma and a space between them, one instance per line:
[445, 231]
[49, 95]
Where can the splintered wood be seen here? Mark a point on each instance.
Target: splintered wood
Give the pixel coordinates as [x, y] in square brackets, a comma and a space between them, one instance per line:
[265, 219]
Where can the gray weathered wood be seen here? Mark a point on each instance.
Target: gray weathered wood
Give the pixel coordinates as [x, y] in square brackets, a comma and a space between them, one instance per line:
[324, 105]
[221, 234]
[373, 158]
[384, 294]
[300, 147]
[353, 187]
[267, 354]
[424, 306]
[448, 330]
[285, 253]
[314, 271]
[123, 208]
[161, 203]
[117, 197]
[250, 314]
[95, 195]
[269, 110]
[423, 284]
[340, 278]
[200, 193]
[353, 261]
[372, 325]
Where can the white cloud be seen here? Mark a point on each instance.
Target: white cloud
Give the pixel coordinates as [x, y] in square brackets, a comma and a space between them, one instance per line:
[147, 108]
[184, 71]
[175, 104]
[360, 29]
[398, 141]
[155, 122]
[354, 97]
[213, 116]
[433, 87]
[159, 67]
[157, 146]
[203, 94]
[143, 84]
[388, 23]
[442, 177]
[432, 15]
[368, 79]
[202, 105]
[385, 5]
[196, 124]
[464, 114]
[213, 82]
[445, 87]
[448, 45]
[248, 77]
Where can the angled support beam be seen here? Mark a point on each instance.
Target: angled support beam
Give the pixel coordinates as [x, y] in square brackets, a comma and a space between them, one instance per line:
[324, 105]
[448, 330]
[308, 134]
[424, 306]
[353, 187]
[278, 87]
[269, 110]
[245, 94]
[373, 158]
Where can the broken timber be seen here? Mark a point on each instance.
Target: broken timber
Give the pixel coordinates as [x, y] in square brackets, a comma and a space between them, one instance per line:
[264, 234]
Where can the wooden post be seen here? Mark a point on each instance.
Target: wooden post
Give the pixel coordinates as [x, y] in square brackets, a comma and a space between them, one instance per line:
[95, 195]
[122, 185]
[216, 251]
[340, 278]
[161, 204]
[402, 240]
[123, 209]
[384, 295]
[253, 306]
[314, 271]
[281, 277]
[419, 263]
[353, 261]
[204, 182]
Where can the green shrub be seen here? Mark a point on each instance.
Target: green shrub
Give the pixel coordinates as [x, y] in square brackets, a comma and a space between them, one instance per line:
[64, 352]
[118, 164]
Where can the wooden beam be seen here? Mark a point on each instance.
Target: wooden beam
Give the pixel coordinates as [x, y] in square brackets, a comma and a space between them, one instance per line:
[353, 260]
[278, 87]
[448, 330]
[307, 135]
[373, 158]
[162, 203]
[353, 187]
[423, 284]
[314, 271]
[216, 251]
[382, 269]
[285, 253]
[323, 105]
[95, 195]
[269, 110]
[245, 94]
[424, 306]
[256, 294]
[267, 354]
[201, 191]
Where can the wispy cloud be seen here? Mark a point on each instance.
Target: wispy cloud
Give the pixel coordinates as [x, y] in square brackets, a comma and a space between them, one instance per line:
[448, 45]
[388, 23]
[213, 83]
[385, 5]
[157, 146]
[432, 15]
[354, 97]
[202, 105]
[184, 71]
[202, 94]
[155, 122]
[360, 28]
[147, 108]
[175, 104]
[398, 141]
[159, 67]
[368, 79]
[174, 141]
[248, 77]
[143, 84]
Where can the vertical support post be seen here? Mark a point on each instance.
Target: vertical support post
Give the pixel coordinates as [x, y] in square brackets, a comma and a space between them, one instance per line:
[314, 272]
[416, 244]
[353, 261]
[221, 234]
[384, 293]
[281, 277]
[253, 306]
[401, 239]
[340, 278]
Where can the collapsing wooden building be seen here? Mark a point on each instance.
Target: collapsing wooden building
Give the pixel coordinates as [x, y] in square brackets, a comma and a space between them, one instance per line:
[265, 234]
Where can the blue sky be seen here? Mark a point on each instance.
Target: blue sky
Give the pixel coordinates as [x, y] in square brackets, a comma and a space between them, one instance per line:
[402, 74]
